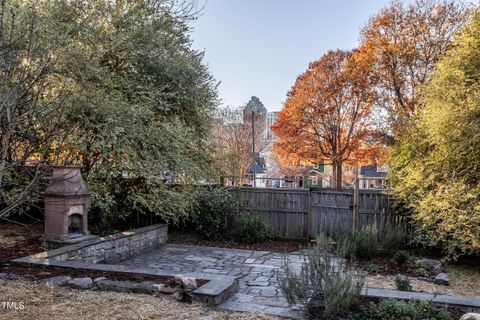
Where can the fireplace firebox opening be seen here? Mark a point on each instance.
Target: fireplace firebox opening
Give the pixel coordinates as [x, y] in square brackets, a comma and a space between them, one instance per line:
[75, 224]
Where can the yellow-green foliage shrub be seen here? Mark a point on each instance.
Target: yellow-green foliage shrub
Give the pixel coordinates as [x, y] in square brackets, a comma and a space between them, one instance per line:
[436, 165]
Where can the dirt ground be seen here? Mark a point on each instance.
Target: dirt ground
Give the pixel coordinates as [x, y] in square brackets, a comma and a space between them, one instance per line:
[42, 302]
[276, 245]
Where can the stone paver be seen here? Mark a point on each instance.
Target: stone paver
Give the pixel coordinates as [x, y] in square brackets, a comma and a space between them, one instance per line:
[255, 270]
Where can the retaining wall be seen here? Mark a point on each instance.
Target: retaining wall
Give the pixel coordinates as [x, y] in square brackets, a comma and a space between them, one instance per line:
[115, 248]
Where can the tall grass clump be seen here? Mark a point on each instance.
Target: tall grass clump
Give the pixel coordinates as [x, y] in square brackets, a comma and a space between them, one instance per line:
[369, 242]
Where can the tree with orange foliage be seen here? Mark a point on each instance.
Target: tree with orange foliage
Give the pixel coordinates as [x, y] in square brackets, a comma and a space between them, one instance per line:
[326, 115]
[401, 45]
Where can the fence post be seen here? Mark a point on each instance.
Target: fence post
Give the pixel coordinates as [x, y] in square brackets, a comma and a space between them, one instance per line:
[309, 214]
[356, 196]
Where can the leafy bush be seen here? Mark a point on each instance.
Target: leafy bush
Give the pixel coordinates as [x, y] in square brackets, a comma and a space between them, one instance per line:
[323, 280]
[395, 310]
[249, 229]
[402, 283]
[401, 257]
[214, 213]
[217, 216]
[119, 203]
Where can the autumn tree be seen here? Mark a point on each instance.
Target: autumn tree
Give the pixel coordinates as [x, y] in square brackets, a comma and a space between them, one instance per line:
[401, 45]
[326, 113]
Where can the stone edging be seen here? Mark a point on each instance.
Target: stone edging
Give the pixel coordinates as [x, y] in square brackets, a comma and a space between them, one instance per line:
[215, 291]
[466, 304]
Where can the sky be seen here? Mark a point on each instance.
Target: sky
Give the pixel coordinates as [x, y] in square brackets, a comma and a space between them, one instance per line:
[259, 47]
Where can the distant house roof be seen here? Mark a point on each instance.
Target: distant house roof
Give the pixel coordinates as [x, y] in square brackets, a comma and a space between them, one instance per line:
[371, 171]
[317, 172]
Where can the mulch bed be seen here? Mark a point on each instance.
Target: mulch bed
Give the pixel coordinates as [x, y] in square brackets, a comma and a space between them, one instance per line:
[456, 313]
[274, 245]
[387, 267]
[43, 272]
[21, 249]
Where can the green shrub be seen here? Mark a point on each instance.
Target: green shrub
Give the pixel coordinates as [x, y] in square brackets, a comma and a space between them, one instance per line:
[369, 242]
[363, 244]
[249, 229]
[322, 278]
[214, 213]
[402, 283]
[401, 257]
[420, 272]
[396, 310]
[435, 163]
[360, 246]
[216, 216]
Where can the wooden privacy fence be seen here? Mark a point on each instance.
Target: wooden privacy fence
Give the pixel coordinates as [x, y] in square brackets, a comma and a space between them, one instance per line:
[302, 213]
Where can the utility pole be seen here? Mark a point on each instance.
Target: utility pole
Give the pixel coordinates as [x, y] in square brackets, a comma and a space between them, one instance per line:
[253, 150]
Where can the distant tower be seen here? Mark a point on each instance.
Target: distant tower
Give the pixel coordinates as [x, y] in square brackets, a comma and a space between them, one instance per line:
[254, 105]
[259, 112]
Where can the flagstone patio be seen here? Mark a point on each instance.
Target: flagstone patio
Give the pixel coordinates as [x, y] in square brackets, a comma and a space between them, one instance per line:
[255, 270]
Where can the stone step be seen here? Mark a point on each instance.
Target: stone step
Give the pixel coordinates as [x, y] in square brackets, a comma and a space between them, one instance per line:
[215, 292]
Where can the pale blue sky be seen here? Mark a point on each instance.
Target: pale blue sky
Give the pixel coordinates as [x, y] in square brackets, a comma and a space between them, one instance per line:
[259, 47]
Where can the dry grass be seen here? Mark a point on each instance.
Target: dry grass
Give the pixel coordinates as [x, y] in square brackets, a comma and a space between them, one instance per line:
[463, 280]
[44, 302]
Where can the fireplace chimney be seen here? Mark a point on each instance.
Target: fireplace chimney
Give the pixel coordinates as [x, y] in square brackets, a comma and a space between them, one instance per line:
[67, 202]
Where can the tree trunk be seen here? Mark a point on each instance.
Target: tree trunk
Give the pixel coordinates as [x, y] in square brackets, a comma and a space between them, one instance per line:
[6, 144]
[338, 174]
[334, 175]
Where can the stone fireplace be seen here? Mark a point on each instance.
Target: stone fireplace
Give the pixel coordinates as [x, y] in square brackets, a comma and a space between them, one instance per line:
[67, 201]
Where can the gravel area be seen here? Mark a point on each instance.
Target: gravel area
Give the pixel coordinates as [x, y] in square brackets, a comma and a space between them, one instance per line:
[44, 302]
[463, 282]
